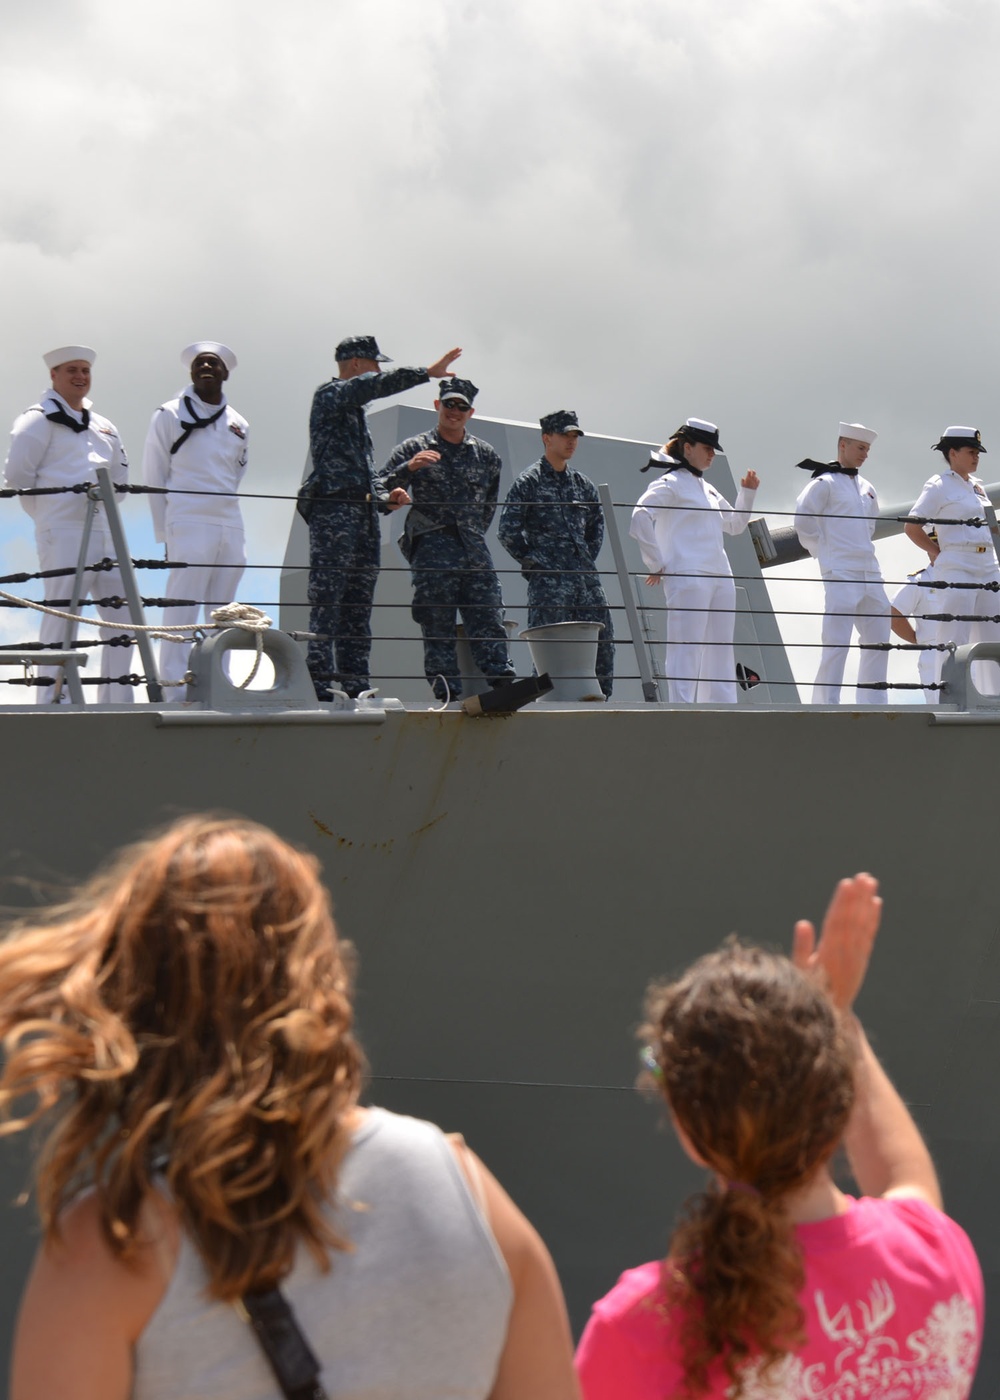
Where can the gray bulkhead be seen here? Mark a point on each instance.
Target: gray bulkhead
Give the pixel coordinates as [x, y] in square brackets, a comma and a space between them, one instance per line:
[510, 885]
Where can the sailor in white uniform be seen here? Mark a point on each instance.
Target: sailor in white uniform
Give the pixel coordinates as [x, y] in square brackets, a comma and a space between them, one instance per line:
[679, 524]
[61, 441]
[910, 607]
[961, 553]
[835, 519]
[197, 443]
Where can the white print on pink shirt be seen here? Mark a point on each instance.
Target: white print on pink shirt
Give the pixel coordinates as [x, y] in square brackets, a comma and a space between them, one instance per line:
[936, 1363]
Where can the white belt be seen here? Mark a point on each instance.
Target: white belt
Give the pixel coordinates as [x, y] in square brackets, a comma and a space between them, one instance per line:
[968, 548]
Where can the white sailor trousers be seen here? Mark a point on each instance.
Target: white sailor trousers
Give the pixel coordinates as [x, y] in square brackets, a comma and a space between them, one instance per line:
[976, 606]
[853, 601]
[215, 555]
[701, 613]
[59, 548]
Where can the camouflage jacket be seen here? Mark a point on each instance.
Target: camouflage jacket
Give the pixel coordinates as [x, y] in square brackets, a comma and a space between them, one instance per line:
[551, 518]
[339, 442]
[459, 492]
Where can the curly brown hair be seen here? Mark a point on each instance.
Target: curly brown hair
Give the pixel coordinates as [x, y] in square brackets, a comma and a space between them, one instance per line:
[189, 1011]
[758, 1071]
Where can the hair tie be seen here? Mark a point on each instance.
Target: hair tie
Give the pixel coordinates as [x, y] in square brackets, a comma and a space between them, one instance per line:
[743, 1188]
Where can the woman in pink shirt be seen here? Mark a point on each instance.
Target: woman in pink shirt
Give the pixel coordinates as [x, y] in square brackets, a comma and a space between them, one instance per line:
[778, 1286]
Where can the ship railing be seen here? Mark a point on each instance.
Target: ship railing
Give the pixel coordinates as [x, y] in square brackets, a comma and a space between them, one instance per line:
[105, 493]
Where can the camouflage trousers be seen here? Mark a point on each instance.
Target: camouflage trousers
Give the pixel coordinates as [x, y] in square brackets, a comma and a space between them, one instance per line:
[344, 548]
[574, 597]
[448, 580]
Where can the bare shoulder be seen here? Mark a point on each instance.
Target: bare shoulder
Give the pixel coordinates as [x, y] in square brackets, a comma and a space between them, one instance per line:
[537, 1360]
[84, 1307]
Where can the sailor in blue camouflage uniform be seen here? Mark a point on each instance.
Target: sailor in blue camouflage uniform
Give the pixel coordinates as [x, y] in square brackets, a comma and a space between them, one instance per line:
[454, 480]
[340, 503]
[552, 524]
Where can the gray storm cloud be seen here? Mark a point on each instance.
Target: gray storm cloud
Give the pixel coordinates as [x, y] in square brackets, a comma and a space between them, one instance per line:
[775, 215]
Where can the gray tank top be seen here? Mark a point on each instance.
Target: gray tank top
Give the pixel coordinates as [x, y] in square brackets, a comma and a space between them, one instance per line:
[417, 1311]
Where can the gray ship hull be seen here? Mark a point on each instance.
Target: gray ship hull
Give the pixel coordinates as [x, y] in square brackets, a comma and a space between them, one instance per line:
[511, 885]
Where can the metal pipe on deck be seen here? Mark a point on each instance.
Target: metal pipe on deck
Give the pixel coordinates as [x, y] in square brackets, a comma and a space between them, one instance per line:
[891, 519]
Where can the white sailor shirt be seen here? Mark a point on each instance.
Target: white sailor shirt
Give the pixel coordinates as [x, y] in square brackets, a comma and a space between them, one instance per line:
[835, 520]
[679, 522]
[43, 453]
[955, 498]
[212, 459]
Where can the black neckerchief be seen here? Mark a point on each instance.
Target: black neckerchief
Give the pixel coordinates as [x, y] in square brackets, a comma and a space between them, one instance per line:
[189, 428]
[61, 416]
[821, 468]
[672, 465]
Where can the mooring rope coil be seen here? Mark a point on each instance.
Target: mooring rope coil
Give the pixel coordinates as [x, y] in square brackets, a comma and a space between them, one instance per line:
[242, 615]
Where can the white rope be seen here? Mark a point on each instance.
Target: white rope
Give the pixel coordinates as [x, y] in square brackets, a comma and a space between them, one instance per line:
[447, 693]
[251, 619]
[164, 630]
[243, 615]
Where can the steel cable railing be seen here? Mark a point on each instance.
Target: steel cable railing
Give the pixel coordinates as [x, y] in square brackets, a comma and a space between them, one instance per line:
[941, 616]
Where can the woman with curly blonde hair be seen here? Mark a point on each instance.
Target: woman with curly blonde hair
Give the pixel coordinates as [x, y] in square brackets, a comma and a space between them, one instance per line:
[183, 1028]
[778, 1286]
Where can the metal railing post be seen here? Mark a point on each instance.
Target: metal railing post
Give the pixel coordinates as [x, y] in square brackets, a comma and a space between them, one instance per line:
[106, 491]
[991, 520]
[649, 688]
[70, 674]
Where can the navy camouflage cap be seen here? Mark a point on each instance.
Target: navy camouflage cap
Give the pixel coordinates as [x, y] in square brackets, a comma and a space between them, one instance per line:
[452, 389]
[360, 347]
[564, 420]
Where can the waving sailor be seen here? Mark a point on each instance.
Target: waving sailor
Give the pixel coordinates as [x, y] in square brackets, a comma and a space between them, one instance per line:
[196, 448]
[61, 441]
[679, 523]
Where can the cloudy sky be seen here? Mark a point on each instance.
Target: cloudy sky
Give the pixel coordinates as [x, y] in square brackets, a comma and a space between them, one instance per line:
[771, 213]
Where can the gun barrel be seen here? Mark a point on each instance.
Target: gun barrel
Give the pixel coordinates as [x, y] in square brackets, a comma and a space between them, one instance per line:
[891, 519]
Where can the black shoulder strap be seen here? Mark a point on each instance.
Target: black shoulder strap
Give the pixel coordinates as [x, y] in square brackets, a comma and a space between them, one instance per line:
[283, 1342]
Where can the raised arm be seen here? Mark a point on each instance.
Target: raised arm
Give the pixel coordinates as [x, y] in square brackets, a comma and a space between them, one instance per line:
[887, 1154]
[736, 519]
[442, 367]
[337, 394]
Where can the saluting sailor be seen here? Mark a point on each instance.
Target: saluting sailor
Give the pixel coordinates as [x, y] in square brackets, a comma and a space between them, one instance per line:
[679, 523]
[61, 441]
[552, 524]
[961, 554]
[340, 502]
[835, 519]
[196, 448]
